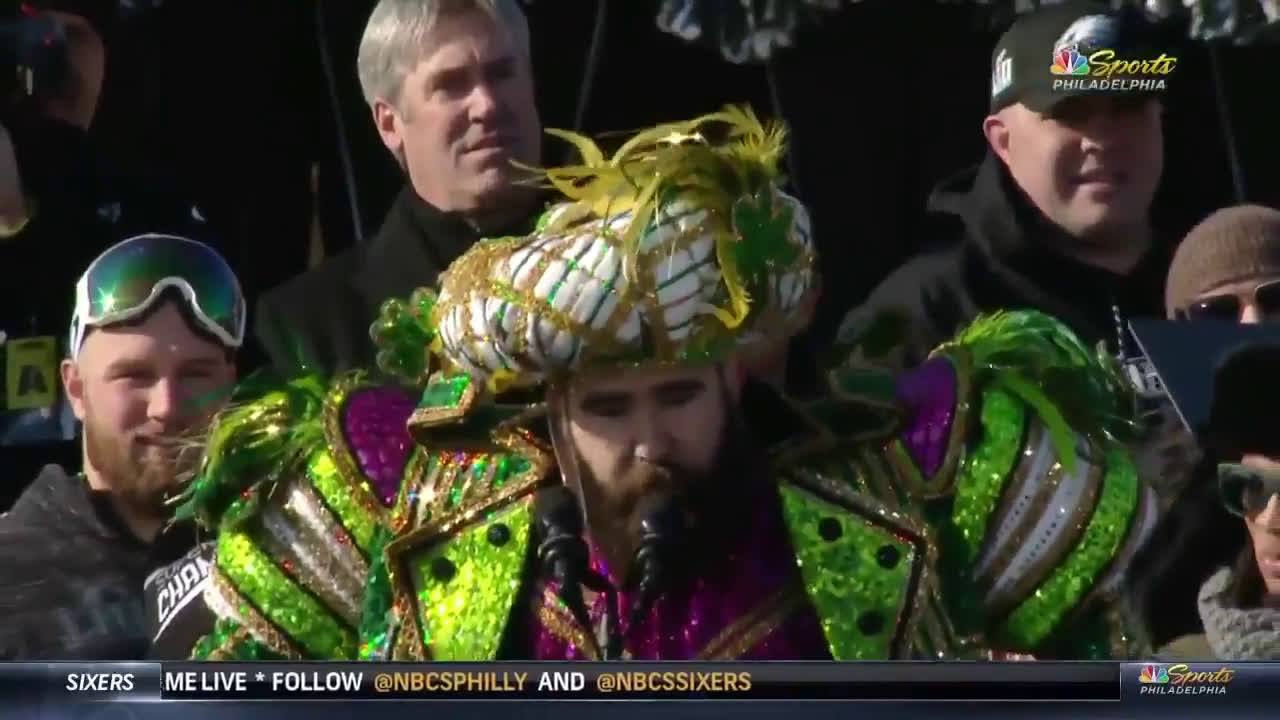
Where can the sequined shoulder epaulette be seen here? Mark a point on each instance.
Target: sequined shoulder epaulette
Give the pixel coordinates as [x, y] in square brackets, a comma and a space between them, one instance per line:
[462, 528]
[294, 574]
[1015, 448]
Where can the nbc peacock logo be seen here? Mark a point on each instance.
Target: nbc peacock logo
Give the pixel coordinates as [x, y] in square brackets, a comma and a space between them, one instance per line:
[1068, 61]
[1183, 679]
[1158, 674]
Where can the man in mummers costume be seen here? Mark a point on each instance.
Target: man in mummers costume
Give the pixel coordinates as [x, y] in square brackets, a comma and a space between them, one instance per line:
[645, 501]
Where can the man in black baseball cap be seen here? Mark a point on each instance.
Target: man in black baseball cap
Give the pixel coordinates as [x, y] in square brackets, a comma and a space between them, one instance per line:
[1072, 50]
[1056, 217]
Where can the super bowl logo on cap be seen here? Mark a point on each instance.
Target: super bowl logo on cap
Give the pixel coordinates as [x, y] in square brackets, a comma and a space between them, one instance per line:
[1001, 73]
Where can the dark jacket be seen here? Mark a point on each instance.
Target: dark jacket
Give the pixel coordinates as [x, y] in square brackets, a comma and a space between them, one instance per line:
[995, 251]
[71, 574]
[321, 318]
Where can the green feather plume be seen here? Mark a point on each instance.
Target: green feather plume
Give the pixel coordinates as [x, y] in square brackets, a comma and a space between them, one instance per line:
[248, 447]
[1072, 388]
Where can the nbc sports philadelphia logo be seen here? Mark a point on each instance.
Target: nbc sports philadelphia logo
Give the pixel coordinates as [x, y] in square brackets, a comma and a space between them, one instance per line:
[1085, 59]
[1182, 680]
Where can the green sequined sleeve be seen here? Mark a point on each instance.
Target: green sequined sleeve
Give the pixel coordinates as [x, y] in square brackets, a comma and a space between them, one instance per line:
[231, 642]
[1046, 505]
[293, 524]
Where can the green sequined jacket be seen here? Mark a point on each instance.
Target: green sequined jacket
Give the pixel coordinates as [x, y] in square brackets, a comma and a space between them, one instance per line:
[996, 471]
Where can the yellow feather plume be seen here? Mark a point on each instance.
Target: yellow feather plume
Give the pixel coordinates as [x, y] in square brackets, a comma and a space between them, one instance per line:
[673, 159]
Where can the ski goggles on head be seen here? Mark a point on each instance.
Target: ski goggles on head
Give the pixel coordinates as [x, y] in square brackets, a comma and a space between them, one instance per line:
[1246, 490]
[127, 279]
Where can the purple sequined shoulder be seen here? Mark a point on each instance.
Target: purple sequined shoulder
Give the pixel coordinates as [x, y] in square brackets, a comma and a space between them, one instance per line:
[373, 420]
[929, 393]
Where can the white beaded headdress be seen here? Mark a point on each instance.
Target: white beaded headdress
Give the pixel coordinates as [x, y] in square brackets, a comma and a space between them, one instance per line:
[676, 250]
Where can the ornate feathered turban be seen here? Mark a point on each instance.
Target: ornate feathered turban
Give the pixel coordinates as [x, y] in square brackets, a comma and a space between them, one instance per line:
[678, 249]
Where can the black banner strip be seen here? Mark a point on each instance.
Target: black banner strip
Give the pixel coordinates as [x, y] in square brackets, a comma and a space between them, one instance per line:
[961, 681]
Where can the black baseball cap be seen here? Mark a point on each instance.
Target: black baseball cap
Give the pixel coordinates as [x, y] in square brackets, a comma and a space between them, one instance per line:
[1047, 55]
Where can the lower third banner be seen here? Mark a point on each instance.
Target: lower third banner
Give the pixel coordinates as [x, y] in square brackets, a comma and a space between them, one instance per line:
[1039, 681]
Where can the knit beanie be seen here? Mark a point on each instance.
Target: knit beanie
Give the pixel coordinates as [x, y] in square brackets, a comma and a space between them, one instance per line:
[1232, 244]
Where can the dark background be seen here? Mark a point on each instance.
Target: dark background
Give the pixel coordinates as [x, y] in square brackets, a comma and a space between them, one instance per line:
[884, 98]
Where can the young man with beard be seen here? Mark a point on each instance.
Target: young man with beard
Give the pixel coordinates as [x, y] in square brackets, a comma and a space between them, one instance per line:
[158, 319]
[63, 200]
[654, 503]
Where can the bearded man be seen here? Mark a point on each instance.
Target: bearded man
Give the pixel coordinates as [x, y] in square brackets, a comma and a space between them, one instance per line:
[589, 473]
[158, 319]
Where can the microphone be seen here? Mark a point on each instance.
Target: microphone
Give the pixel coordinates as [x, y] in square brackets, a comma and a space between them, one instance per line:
[562, 554]
[662, 531]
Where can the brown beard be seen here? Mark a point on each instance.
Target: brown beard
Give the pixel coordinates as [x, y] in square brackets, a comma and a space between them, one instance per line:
[141, 474]
[713, 502]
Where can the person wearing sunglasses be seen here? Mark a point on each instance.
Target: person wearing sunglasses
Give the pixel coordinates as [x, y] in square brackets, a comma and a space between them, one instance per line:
[1228, 268]
[1222, 542]
[157, 322]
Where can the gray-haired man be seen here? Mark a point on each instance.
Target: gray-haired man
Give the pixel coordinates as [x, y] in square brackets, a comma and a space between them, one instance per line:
[450, 87]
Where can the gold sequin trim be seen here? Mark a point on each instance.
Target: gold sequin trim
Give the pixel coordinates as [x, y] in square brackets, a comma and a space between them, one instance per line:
[907, 526]
[247, 616]
[1037, 443]
[936, 623]
[474, 274]
[517, 443]
[437, 498]
[942, 483]
[899, 458]
[340, 449]
[1074, 525]
[1134, 539]
[914, 607]
[646, 287]
[226, 651]
[471, 275]
[560, 623]
[436, 528]
[879, 476]
[836, 388]
[424, 418]
[748, 631]
[419, 473]
[408, 643]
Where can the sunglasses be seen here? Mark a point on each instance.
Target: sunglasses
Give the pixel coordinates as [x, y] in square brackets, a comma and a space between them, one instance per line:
[1246, 490]
[1266, 297]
